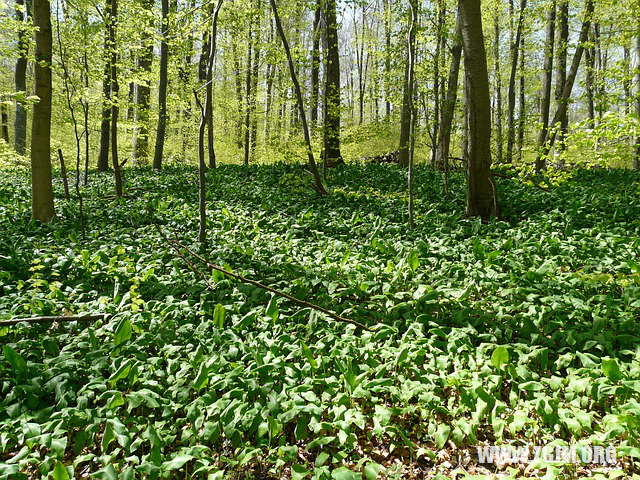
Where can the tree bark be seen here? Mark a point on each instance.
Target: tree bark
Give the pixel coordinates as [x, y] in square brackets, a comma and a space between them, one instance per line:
[4, 114]
[105, 124]
[636, 161]
[405, 119]
[511, 131]
[248, 84]
[162, 89]
[436, 84]
[332, 153]
[561, 67]
[115, 89]
[143, 93]
[522, 112]
[318, 186]
[20, 121]
[449, 107]
[315, 65]
[498, 79]
[254, 84]
[547, 73]
[561, 111]
[481, 190]
[41, 187]
[590, 60]
[387, 57]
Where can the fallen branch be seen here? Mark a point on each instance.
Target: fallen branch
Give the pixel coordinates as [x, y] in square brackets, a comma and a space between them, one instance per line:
[528, 177]
[54, 319]
[176, 245]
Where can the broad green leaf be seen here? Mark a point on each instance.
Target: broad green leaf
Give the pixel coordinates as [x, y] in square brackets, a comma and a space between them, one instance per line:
[413, 261]
[500, 357]
[60, 472]
[611, 369]
[218, 315]
[122, 333]
[14, 358]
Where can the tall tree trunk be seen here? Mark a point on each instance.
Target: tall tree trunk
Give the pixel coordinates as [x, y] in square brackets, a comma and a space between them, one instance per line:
[318, 185]
[523, 105]
[590, 59]
[405, 119]
[315, 65]
[115, 89]
[254, 83]
[387, 57]
[498, 79]
[413, 5]
[511, 131]
[20, 121]
[332, 153]
[636, 160]
[482, 198]
[238, 78]
[105, 124]
[248, 84]
[626, 59]
[547, 73]
[207, 112]
[143, 92]
[449, 106]
[41, 186]
[271, 71]
[436, 84]
[561, 111]
[561, 68]
[4, 113]
[162, 89]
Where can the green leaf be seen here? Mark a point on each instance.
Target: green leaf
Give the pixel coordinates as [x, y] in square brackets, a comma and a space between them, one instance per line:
[442, 434]
[611, 369]
[298, 472]
[500, 357]
[413, 260]
[218, 315]
[14, 358]
[308, 355]
[60, 472]
[371, 470]
[177, 462]
[343, 473]
[108, 437]
[202, 378]
[122, 333]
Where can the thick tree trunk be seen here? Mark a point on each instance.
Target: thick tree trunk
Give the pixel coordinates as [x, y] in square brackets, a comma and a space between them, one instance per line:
[20, 121]
[547, 73]
[511, 131]
[449, 106]
[498, 79]
[41, 186]
[561, 111]
[405, 119]
[318, 185]
[162, 89]
[481, 190]
[115, 89]
[332, 153]
[143, 94]
[105, 124]
[315, 65]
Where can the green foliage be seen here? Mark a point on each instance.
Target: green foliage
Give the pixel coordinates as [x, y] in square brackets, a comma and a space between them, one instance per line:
[522, 330]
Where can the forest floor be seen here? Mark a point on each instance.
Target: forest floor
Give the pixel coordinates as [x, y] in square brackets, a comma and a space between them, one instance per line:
[520, 331]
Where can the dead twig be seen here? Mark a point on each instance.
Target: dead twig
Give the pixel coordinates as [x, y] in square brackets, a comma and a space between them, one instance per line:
[176, 245]
[54, 319]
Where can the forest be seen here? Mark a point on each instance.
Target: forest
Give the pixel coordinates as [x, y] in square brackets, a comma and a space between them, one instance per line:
[320, 239]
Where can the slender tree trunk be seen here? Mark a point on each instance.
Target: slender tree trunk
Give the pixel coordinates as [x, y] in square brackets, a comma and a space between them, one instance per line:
[271, 71]
[511, 131]
[464, 147]
[105, 125]
[590, 59]
[41, 186]
[387, 57]
[4, 113]
[498, 79]
[248, 84]
[115, 88]
[254, 84]
[636, 160]
[561, 68]
[627, 79]
[482, 198]
[405, 119]
[143, 93]
[449, 106]
[436, 84]
[523, 105]
[162, 89]
[332, 153]
[413, 5]
[20, 121]
[318, 186]
[315, 65]
[207, 112]
[547, 73]
[561, 111]
[238, 78]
